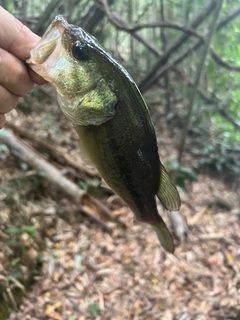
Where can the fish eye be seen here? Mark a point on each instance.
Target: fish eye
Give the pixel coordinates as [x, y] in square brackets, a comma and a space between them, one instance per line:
[80, 51]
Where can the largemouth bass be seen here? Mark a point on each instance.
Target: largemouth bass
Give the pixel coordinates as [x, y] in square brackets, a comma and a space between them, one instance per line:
[111, 118]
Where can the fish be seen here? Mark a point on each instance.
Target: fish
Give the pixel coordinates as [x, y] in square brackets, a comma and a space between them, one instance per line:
[111, 118]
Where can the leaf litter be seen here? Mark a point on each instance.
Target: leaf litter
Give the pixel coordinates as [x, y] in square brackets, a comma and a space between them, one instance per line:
[88, 273]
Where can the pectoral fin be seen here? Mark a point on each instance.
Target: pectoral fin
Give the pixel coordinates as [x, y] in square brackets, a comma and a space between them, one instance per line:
[167, 192]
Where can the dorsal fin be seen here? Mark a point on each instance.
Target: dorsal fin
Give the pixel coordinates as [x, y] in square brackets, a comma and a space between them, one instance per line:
[167, 192]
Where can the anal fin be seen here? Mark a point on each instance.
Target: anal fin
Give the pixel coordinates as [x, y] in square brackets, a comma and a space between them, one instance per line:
[167, 192]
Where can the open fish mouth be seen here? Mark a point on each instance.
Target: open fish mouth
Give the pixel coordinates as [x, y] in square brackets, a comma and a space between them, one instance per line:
[49, 50]
[48, 43]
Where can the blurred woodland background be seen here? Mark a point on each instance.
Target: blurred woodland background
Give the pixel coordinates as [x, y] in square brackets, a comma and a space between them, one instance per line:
[66, 242]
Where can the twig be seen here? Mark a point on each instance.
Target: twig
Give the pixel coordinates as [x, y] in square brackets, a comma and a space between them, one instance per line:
[158, 69]
[166, 76]
[138, 36]
[190, 83]
[227, 117]
[134, 28]
[9, 291]
[120, 24]
[93, 17]
[214, 101]
[232, 15]
[211, 236]
[45, 15]
[219, 105]
[150, 77]
[199, 72]
[223, 63]
[48, 171]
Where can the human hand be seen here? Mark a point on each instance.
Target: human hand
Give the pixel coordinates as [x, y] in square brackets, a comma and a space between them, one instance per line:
[16, 79]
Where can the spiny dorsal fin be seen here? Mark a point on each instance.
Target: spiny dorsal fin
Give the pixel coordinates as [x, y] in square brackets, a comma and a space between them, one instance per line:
[167, 192]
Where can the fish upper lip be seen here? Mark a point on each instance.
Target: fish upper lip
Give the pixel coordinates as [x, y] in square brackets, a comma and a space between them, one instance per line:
[47, 43]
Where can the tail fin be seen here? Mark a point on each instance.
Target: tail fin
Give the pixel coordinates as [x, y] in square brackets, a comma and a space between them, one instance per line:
[164, 236]
[167, 192]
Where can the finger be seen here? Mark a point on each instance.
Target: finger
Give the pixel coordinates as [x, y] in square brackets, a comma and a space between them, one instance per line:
[14, 75]
[18, 40]
[2, 120]
[35, 77]
[15, 37]
[8, 100]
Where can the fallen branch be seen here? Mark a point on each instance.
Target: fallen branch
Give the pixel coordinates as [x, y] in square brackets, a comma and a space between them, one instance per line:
[90, 206]
[56, 153]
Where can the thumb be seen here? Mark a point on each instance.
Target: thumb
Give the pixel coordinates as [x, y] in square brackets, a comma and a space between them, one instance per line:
[15, 37]
[18, 40]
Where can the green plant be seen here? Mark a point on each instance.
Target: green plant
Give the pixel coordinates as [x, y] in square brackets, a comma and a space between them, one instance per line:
[94, 310]
[86, 184]
[220, 155]
[15, 242]
[181, 172]
[93, 186]
[17, 231]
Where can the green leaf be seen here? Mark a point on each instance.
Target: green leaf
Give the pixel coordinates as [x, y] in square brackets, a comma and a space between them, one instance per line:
[15, 261]
[94, 310]
[13, 230]
[23, 166]
[56, 254]
[85, 184]
[30, 230]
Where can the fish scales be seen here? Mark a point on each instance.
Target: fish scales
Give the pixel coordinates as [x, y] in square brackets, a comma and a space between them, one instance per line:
[111, 118]
[118, 153]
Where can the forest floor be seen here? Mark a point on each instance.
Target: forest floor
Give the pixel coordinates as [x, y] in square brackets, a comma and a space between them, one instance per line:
[78, 270]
